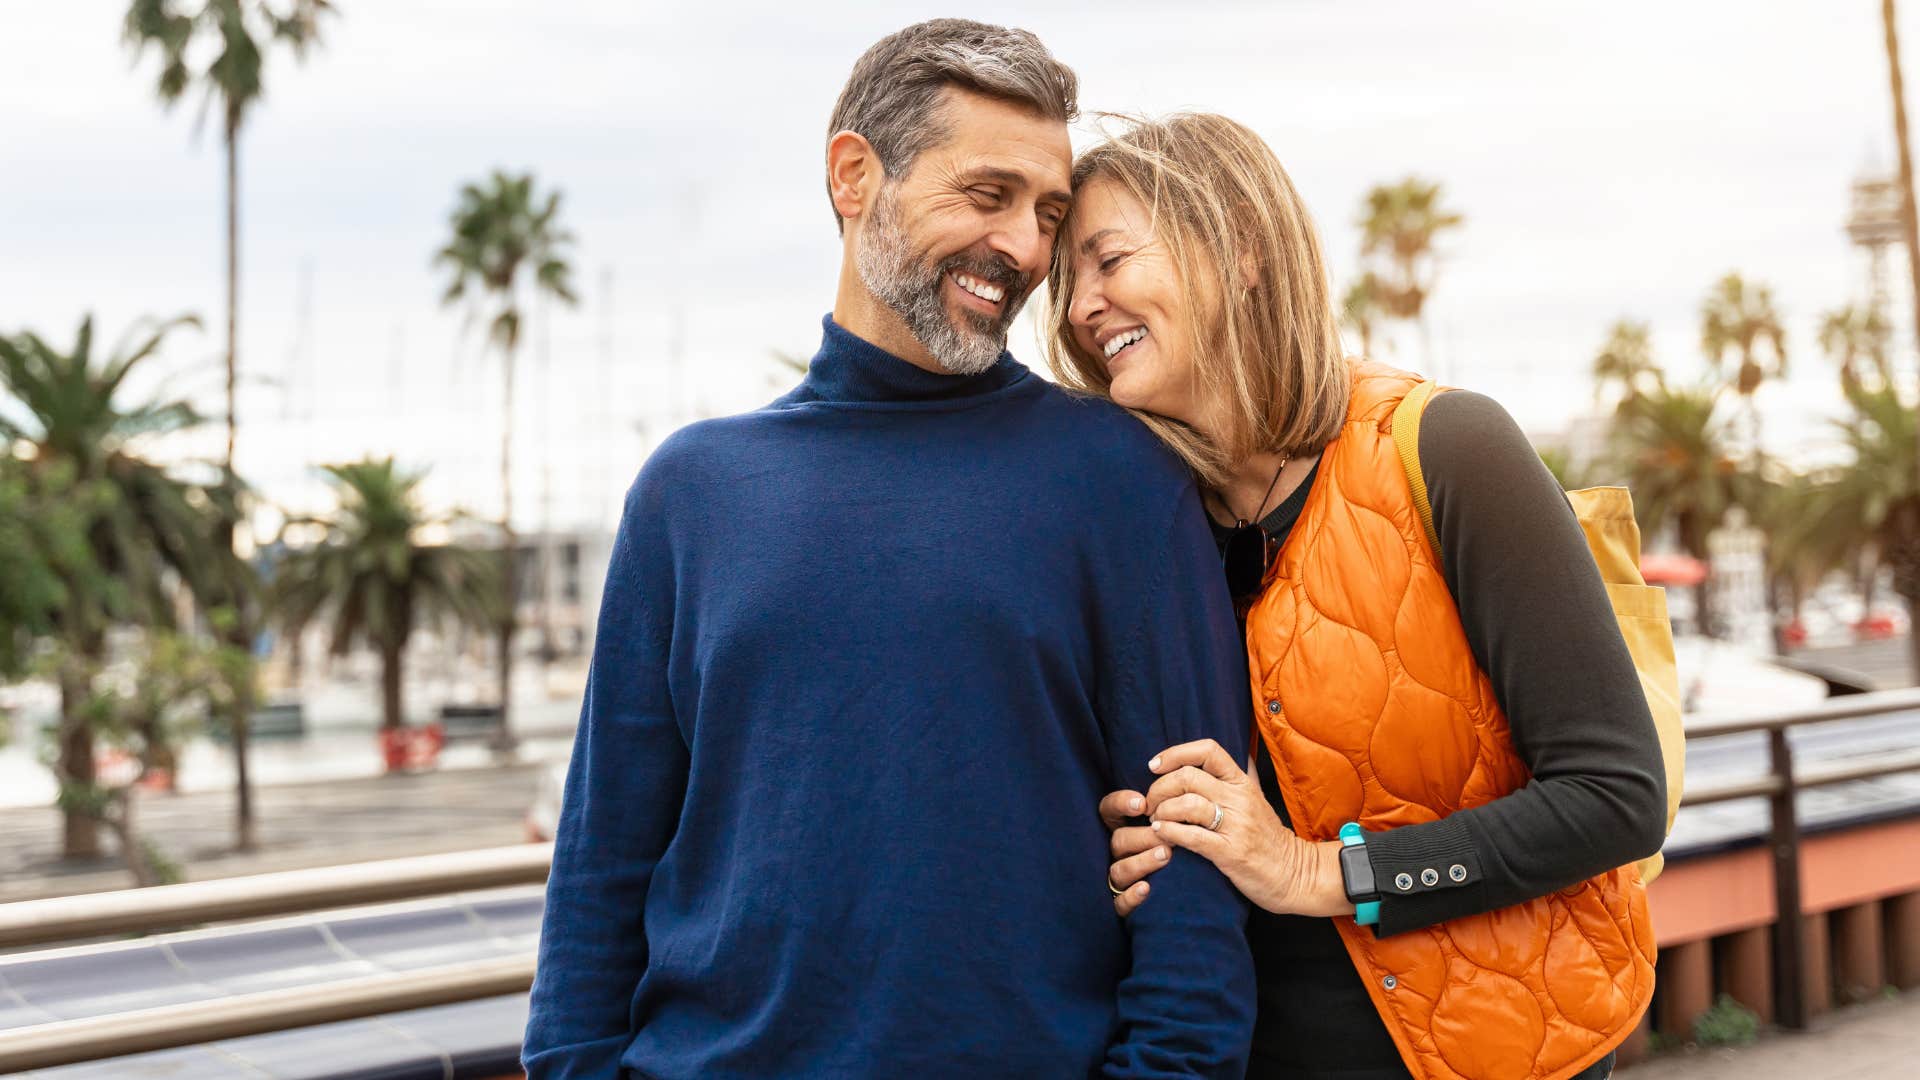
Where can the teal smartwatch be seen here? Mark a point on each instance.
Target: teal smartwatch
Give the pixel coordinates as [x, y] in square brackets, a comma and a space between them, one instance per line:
[1356, 872]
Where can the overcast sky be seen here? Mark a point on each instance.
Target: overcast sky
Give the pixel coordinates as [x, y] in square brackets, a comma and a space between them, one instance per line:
[1611, 159]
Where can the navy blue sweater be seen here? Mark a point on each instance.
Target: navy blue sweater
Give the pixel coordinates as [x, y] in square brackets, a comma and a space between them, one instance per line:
[867, 660]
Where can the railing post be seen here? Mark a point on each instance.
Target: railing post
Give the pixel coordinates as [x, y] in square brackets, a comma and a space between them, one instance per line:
[1789, 930]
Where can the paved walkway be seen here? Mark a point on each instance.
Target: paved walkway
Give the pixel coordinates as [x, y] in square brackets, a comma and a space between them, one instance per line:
[299, 825]
[1880, 1041]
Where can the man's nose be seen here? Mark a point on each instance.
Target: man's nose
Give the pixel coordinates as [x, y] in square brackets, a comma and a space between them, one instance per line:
[1021, 242]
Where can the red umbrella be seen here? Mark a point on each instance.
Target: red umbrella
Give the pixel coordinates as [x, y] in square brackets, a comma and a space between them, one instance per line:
[1675, 569]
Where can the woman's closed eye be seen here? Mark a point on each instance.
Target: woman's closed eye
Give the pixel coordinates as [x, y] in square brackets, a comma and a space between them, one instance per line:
[1109, 262]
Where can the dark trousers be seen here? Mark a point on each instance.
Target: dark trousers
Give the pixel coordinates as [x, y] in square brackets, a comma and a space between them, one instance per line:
[1261, 1068]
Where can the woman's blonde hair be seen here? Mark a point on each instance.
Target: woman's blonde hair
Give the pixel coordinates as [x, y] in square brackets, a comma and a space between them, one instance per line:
[1267, 340]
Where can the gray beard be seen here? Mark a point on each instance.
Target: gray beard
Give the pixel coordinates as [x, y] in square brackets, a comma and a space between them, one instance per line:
[894, 272]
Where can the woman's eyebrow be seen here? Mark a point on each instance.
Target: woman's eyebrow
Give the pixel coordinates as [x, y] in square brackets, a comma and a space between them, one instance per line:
[1087, 245]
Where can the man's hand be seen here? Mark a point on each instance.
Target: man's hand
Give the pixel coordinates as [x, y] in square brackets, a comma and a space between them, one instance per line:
[1137, 852]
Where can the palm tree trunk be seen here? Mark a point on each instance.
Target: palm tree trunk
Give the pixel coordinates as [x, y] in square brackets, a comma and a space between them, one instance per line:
[1908, 219]
[509, 617]
[393, 713]
[233, 286]
[81, 831]
[1693, 541]
[241, 718]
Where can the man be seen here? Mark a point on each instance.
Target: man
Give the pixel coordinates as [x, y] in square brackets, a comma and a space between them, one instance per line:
[869, 657]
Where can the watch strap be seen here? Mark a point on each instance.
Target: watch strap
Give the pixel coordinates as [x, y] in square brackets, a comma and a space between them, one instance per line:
[1363, 893]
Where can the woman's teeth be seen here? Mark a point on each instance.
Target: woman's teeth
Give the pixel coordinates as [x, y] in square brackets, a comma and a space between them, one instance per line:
[992, 294]
[1121, 341]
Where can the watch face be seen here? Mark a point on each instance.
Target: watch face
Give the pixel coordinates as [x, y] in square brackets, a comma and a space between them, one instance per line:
[1357, 872]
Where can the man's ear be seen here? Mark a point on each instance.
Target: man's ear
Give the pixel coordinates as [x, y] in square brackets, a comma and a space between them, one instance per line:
[854, 173]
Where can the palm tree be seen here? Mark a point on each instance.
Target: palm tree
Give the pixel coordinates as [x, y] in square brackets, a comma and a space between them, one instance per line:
[232, 36]
[378, 580]
[1671, 444]
[1362, 308]
[1802, 544]
[1738, 320]
[234, 31]
[1875, 499]
[503, 235]
[43, 545]
[1627, 359]
[1398, 225]
[142, 523]
[1854, 336]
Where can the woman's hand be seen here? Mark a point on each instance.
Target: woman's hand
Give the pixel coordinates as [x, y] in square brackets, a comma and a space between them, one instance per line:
[1205, 802]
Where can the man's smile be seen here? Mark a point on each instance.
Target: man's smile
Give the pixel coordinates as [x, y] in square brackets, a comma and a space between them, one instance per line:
[977, 293]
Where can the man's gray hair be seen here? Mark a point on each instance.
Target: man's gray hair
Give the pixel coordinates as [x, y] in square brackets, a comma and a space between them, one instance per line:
[893, 97]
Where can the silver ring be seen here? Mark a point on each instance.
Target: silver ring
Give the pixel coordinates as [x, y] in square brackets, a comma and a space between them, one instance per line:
[1111, 889]
[1218, 813]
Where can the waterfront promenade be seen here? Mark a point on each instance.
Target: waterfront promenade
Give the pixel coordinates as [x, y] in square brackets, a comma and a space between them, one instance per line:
[300, 825]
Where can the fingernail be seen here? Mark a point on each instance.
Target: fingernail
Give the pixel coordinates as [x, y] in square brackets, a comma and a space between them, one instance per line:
[1156, 826]
[1136, 803]
[1160, 853]
[1144, 888]
[1154, 764]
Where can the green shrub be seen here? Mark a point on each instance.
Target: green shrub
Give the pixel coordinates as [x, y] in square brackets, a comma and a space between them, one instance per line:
[1727, 1023]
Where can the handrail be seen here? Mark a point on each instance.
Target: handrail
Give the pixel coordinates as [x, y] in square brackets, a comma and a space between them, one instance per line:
[163, 907]
[1851, 707]
[67, 1042]
[1741, 789]
[1779, 787]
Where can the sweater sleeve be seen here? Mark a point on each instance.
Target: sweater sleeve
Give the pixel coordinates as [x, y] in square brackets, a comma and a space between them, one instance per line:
[619, 807]
[1187, 1006]
[1540, 625]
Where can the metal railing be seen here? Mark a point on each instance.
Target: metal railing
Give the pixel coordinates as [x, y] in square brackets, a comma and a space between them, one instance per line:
[288, 892]
[1779, 787]
[67, 1042]
[42, 922]
[168, 907]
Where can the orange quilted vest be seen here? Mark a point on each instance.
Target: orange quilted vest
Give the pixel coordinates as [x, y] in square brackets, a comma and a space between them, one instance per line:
[1375, 711]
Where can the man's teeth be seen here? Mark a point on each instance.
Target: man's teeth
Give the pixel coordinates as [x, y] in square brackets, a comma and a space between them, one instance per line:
[992, 294]
[1121, 341]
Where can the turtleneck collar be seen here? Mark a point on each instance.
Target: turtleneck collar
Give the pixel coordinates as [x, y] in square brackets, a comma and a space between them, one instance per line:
[849, 368]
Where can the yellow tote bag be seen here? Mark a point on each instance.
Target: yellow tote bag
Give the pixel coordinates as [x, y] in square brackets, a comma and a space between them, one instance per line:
[1613, 535]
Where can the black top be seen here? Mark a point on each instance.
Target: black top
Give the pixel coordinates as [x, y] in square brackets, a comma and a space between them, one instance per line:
[1538, 620]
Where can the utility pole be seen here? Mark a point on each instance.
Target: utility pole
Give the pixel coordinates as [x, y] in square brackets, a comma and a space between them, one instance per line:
[1908, 220]
[1904, 568]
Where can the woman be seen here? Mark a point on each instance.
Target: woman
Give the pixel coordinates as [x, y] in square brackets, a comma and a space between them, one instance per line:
[1474, 712]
